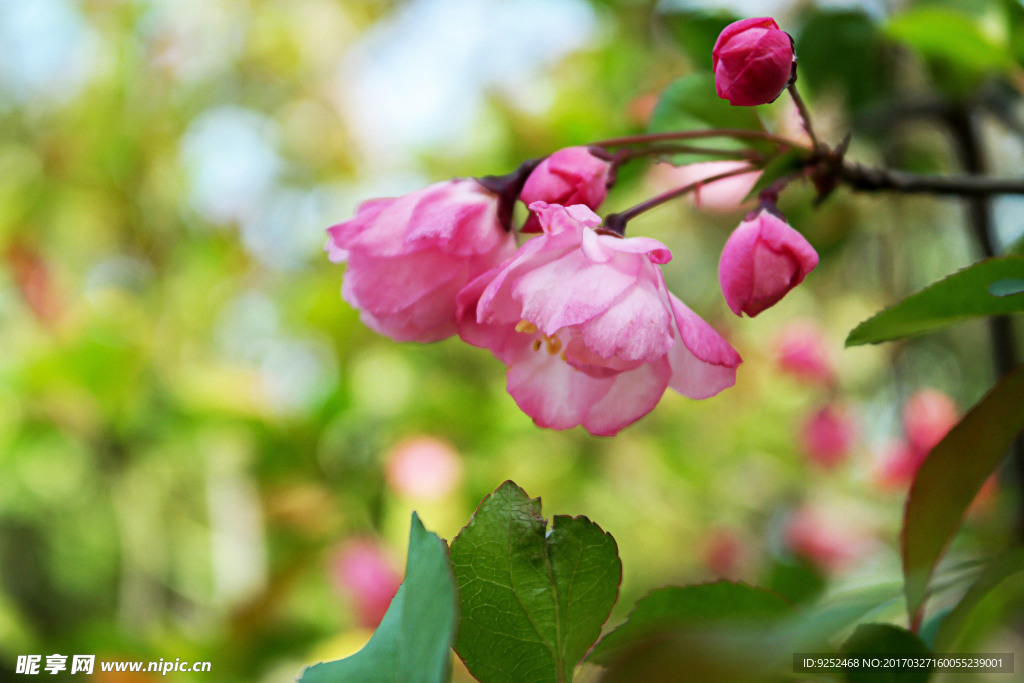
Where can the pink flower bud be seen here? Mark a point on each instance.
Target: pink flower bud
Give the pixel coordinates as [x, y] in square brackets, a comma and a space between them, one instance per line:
[724, 554]
[363, 573]
[762, 260]
[828, 436]
[753, 61]
[802, 351]
[424, 468]
[898, 466]
[409, 256]
[569, 176]
[927, 418]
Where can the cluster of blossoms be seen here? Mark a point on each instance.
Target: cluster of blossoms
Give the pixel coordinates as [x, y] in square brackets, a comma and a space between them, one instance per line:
[580, 315]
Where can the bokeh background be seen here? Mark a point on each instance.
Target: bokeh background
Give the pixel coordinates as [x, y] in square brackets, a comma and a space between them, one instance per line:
[204, 455]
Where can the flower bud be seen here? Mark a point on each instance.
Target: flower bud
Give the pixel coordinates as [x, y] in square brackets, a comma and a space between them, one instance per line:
[364, 574]
[762, 260]
[829, 434]
[753, 61]
[802, 351]
[927, 418]
[569, 176]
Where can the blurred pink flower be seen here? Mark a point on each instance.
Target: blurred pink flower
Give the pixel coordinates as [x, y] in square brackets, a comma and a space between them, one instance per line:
[423, 467]
[762, 260]
[588, 330]
[812, 534]
[409, 256]
[569, 176]
[898, 465]
[753, 61]
[722, 195]
[363, 573]
[927, 417]
[723, 553]
[829, 434]
[802, 351]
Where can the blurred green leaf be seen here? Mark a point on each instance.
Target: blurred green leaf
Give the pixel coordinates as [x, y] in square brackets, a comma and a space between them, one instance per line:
[852, 34]
[691, 103]
[798, 581]
[532, 602]
[965, 294]
[695, 31]
[413, 640]
[881, 640]
[952, 36]
[950, 478]
[995, 574]
[675, 607]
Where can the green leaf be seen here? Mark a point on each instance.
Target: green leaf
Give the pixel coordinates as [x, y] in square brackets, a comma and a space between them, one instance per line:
[860, 75]
[691, 103]
[1007, 565]
[950, 478]
[699, 606]
[695, 31]
[952, 36]
[963, 295]
[413, 640]
[532, 601]
[879, 640]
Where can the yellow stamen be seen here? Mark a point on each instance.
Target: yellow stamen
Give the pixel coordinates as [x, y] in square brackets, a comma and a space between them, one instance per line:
[526, 326]
[536, 344]
[554, 345]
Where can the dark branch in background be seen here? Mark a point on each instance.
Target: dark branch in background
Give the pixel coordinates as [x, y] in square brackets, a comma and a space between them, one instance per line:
[979, 212]
[874, 179]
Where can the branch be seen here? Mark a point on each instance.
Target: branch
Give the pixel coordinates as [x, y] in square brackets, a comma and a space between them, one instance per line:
[874, 179]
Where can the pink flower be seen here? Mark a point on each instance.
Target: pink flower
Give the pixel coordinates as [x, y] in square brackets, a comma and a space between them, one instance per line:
[927, 418]
[898, 465]
[762, 260]
[817, 536]
[363, 573]
[587, 328]
[409, 256]
[828, 436]
[802, 351]
[569, 176]
[753, 61]
[423, 467]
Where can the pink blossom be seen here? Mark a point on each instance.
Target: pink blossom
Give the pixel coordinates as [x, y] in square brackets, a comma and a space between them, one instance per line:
[587, 328]
[569, 176]
[762, 260]
[817, 536]
[753, 61]
[927, 418]
[363, 573]
[423, 467]
[802, 351]
[828, 436]
[409, 256]
[724, 553]
[723, 195]
[898, 465]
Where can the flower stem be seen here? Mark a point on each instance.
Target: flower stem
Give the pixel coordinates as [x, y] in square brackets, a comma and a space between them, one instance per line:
[700, 134]
[616, 222]
[805, 115]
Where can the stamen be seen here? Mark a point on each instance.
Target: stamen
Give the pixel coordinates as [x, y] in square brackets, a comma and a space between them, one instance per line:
[536, 344]
[526, 326]
[554, 345]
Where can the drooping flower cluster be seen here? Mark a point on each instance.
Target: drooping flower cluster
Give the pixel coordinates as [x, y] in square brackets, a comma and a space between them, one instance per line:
[580, 315]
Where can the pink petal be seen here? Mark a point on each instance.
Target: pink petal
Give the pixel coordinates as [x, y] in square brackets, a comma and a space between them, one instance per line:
[703, 363]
